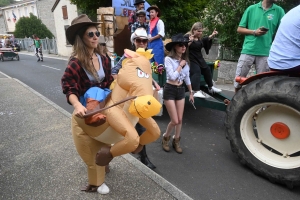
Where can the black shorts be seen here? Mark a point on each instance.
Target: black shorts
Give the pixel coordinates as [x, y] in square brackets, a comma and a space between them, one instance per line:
[173, 92]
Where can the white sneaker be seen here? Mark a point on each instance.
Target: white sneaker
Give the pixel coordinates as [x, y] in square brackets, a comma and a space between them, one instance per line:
[200, 94]
[103, 189]
[217, 90]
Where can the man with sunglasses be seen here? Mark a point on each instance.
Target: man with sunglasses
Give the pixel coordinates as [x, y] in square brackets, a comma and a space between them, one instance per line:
[141, 21]
[140, 40]
[139, 5]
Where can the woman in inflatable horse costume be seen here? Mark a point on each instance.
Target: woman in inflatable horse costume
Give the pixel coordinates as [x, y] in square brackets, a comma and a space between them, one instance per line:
[134, 79]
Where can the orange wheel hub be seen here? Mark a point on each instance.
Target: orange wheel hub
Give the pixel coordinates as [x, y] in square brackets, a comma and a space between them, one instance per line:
[280, 130]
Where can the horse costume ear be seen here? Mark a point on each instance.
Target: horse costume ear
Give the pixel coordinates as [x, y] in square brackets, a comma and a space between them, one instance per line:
[130, 54]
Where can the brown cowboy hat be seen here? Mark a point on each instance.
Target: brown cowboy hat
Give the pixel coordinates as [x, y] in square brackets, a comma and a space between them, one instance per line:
[155, 8]
[76, 25]
[138, 2]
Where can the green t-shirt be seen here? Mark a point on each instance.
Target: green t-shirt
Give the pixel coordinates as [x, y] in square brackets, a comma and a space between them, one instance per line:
[37, 43]
[253, 18]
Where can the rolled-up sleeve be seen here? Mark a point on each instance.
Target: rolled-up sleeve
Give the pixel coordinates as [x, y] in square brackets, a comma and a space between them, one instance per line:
[161, 28]
[118, 66]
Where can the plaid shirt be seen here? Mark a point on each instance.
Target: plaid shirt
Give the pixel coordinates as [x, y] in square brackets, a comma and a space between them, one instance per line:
[136, 25]
[75, 80]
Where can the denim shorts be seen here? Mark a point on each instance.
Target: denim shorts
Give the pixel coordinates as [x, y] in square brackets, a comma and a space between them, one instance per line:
[173, 92]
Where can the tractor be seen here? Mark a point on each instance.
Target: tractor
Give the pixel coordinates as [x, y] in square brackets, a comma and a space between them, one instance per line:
[262, 126]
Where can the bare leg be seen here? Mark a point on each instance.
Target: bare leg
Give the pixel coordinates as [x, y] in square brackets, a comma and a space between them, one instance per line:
[180, 108]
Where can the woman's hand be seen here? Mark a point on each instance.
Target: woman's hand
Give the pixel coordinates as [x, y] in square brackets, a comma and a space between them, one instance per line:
[182, 63]
[79, 110]
[214, 33]
[157, 87]
[191, 38]
[191, 99]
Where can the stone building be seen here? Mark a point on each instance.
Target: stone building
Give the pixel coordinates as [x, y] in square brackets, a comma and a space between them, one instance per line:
[46, 15]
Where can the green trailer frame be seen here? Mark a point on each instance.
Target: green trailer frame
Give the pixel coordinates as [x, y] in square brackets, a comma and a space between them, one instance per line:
[216, 101]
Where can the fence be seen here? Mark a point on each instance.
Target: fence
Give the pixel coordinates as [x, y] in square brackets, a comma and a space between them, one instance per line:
[48, 45]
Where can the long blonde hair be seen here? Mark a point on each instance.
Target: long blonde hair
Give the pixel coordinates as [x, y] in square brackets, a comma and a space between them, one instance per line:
[196, 26]
[82, 54]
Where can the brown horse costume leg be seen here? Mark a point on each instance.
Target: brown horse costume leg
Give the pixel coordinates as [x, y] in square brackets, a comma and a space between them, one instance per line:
[87, 148]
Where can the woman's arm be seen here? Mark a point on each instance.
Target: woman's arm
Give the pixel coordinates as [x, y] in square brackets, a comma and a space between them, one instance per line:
[79, 109]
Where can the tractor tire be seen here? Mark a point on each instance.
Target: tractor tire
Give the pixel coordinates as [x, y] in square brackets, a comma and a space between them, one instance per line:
[262, 125]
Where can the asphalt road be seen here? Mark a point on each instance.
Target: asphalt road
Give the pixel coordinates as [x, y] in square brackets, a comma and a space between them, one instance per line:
[207, 169]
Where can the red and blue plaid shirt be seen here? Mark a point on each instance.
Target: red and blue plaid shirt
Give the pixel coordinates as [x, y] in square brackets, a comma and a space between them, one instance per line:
[75, 80]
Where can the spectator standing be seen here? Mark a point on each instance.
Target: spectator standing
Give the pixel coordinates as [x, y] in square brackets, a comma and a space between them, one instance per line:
[197, 63]
[285, 50]
[38, 47]
[141, 21]
[156, 33]
[139, 5]
[259, 24]
[86, 68]
[177, 70]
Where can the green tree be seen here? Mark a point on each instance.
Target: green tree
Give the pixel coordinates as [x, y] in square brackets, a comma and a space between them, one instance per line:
[5, 2]
[27, 26]
[90, 7]
[178, 15]
[225, 15]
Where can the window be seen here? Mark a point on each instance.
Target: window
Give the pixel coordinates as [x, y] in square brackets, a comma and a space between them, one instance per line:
[64, 12]
[19, 12]
[26, 11]
[33, 10]
[67, 26]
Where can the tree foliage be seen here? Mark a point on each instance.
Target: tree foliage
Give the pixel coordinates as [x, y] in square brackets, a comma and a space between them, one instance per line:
[90, 7]
[27, 26]
[178, 15]
[225, 15]
[5, 2]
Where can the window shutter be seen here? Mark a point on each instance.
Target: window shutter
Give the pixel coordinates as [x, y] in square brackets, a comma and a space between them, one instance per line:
[65, 12]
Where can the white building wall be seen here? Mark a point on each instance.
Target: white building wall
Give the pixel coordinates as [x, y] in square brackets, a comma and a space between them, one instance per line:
[60, 23]
[20, 10]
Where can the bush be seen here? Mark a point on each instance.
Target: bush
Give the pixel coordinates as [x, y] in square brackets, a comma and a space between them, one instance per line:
[27, 26]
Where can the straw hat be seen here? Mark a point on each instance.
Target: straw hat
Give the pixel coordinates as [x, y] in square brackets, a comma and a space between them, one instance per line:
[76, 24]
[138, 33]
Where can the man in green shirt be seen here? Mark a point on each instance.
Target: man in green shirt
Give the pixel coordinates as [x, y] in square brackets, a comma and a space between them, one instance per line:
[259, 25]
[38, 47]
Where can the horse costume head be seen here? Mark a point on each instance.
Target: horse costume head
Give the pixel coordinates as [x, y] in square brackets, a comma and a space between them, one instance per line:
[135, 76]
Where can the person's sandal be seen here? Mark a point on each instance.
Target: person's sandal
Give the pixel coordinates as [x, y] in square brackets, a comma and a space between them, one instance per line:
[90, 188]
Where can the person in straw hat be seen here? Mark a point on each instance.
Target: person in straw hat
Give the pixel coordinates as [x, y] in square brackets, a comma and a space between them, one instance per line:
[155, 33]
[86, 68]
[177, 70]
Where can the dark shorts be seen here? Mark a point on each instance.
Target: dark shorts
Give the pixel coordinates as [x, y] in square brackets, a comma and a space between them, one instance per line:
[173, 92]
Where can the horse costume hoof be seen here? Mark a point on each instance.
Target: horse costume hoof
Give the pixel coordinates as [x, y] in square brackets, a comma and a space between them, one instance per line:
[89, 188]
[104, 156]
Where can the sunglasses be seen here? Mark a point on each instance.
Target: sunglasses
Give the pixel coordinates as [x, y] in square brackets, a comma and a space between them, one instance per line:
[182, 44]
[103, 44]
[138, 40]
[91, 34]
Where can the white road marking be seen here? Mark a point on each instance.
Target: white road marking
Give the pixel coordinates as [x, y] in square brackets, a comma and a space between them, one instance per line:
[50, 67]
